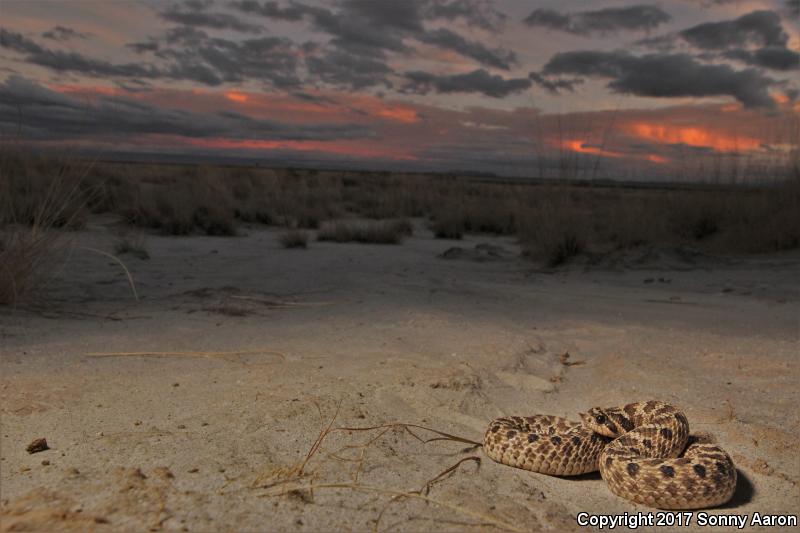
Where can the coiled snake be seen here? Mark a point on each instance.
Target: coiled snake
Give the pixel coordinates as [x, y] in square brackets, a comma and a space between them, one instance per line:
[640, 449]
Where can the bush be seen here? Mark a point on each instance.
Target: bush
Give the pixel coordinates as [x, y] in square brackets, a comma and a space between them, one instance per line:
[38, 195]
[383, 232]
[294, 238]
[132, 244]
[554, 233]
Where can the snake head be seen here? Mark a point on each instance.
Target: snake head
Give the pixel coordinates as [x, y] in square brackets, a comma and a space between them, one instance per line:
[600, 421]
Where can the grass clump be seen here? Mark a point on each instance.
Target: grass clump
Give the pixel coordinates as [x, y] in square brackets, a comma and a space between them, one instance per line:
[294, 238]
[132, 244]
[374, 232]
[40, 197]
[554, 233]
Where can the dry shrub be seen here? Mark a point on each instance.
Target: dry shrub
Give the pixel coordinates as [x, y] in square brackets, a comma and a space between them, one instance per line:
[382, 232]
[763, 221]
[197, 203]
[39, 197]
[294, 238]
[448, 225]
[132, 244]
[554, 232]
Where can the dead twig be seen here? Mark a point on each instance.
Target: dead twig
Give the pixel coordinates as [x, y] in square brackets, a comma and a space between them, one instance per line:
[425, 488]
[120, 263]
[412, 495]
[206, 355]
[278, 304]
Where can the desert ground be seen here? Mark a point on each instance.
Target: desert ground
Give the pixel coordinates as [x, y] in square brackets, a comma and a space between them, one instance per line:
[200, 406]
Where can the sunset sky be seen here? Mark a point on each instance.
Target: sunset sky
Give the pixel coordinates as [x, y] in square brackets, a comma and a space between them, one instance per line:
[512, 87]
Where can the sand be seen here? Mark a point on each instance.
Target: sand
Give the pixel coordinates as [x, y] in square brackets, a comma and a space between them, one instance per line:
[385, 334]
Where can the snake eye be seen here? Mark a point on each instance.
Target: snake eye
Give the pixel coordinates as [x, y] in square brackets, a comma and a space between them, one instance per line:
[600, 419]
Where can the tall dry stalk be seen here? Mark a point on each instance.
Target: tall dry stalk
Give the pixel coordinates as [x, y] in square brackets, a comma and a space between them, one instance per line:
[40, 197]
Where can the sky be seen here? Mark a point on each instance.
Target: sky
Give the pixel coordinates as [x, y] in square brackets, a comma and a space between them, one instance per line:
[672, 89]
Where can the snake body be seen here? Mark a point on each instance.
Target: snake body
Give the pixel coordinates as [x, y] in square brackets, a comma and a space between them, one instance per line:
[640, 449]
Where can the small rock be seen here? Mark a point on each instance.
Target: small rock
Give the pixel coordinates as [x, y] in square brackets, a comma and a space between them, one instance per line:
[163, 472]
[176, 384]
[37, 445]
[137, 423]
[204, 424]
[194, 470]
[181, 426]
[45, 463]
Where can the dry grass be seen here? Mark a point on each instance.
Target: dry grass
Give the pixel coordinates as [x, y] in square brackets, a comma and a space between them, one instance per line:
[553, 221]
[40, 198]
[134, 244]
[381, 232]
[294, 238]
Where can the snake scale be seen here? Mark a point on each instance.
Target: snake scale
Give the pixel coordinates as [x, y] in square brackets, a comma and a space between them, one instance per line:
[640, 449]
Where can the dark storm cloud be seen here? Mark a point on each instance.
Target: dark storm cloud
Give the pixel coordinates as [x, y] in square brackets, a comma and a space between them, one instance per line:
[603, 21]
[759, 28]
[48, 115]
[367, 27]
[62, 33]
[444, 38]
[478, 13]
[198, 57]
[665, 75]
[477, 81]
[196, 16]
[344, 69]
[554, 85]
[71, 61]
[756, 39]
[271, 9]
[141, 48]
[773, 57]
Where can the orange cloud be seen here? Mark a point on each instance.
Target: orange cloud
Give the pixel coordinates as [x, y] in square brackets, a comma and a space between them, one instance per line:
[653, 158]
[581, 147]
[398, 114]
[236, 96]
[692, 136]
[779, 98]
[87, 89]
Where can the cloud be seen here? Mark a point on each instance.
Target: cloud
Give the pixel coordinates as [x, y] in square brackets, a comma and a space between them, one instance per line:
[341, 68]
[477, 81]
[271, 9]
[49, 115]
[370, 28]
[665, 76]
[444, 38]
[193, 14]
[771, 57]
[62, 33]
[143, 47]
[555, 85]
[602, 21]
[760, 28]
[189, 54]
[478, 13]
[756, 39]
[71, 61]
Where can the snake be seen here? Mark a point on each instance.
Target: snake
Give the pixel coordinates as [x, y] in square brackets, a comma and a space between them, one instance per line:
[643, 452]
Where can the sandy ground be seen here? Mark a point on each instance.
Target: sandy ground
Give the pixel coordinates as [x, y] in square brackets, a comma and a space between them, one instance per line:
[390, 334]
